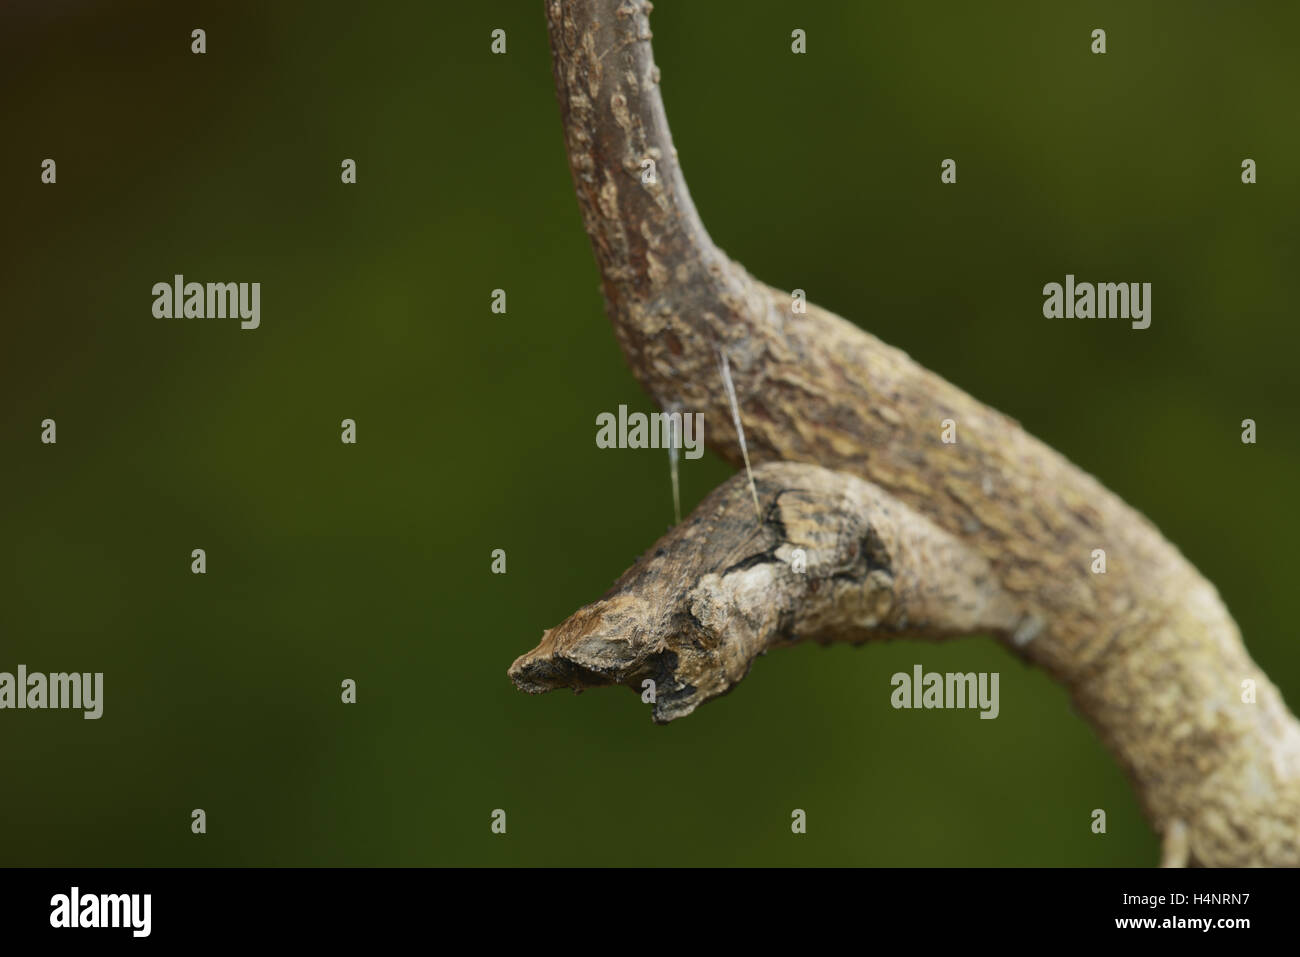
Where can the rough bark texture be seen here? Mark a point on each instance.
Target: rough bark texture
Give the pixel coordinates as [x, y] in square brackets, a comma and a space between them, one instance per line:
[720, 589]
[1147, 650]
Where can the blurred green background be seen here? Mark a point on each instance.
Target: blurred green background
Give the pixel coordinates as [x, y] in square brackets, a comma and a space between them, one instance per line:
[476, 431]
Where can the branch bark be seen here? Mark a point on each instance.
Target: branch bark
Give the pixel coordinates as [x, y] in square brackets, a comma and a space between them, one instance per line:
[1148, 652]
[834, 559]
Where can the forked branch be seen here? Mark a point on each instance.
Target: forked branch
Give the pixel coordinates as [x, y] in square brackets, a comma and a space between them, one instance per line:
[1147, 650]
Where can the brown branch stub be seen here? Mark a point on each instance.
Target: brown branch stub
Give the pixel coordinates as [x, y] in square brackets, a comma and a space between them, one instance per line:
[720, 589]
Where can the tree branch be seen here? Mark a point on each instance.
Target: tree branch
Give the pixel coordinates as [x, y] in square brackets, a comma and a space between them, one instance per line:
[718, 590]
[1147, 650]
